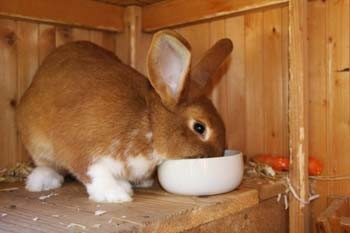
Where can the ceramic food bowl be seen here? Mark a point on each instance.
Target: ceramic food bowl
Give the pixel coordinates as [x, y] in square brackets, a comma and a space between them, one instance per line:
[202, 176]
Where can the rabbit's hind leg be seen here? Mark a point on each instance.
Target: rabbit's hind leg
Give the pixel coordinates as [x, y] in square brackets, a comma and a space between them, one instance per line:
[106, 181]
[47, 175]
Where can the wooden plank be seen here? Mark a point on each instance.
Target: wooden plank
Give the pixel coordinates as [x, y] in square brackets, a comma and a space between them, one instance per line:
[252, 220]
[134, 32]
[161, 15]
[318, 107]
[108, 40]
[151, 211]
[235, 83]
[130, 2]
[47, 40]
[72, 12]
[81, 34]
[298, 115]
[272, 84]
[198, 37]
[103, 39]
[64, 35]
[27, 65]
[218, 84]
[329, 220]
[254, 83]
[8, 92]
[285, 69]
[338, 78]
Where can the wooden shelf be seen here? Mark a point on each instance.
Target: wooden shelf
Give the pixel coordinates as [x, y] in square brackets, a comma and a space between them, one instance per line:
[152, 210]
[172, 13]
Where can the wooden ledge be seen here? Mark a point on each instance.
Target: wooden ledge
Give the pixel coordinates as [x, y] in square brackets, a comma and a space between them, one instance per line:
[83, 13]
[152, 210]
[172, 13]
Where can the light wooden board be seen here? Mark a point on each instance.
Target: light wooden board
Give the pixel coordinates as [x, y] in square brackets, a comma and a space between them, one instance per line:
[130, 2]
[252, 220]
[152, 210]
[161, 15]
[27, 64]
[250, 90]
[254, 51]
[72, 12]
[24, 45]
[298, 116]
[318, 98]
[8, 95]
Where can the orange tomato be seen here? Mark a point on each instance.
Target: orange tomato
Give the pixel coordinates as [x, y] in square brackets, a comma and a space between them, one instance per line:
[281, 163]
[315, 166]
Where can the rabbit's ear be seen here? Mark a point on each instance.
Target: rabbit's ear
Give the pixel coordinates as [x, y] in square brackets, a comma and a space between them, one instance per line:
[168, 64]
[208, 64]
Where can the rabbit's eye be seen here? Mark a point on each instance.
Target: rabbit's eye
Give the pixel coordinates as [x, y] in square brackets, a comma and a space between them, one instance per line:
[199, 128]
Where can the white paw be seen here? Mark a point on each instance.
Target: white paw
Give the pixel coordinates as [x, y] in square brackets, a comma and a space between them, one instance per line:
[43, 179]
[126, 186]
[116, 191]
[144, 183]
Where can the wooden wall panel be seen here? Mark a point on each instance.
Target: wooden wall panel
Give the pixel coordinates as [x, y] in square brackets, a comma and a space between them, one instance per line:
[272, 81]
[254, 51]
[235, 86]
[24, 45]
[27, 64]
[338, 121]
[249, 90]
[8, 95]
[318, 95]
[47, 40]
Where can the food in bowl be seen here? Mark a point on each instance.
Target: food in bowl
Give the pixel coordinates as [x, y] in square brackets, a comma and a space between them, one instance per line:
[202, 176]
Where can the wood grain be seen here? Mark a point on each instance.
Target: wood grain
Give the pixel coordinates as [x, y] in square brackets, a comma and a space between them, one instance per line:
[298, 115]
[161, 15]
[47, 40]
[235, 86]
[24, 45]
[91, 13]
[338, 92]
[130, 2]
[8, 92]
[272, 81]
[318, 106]
[152, 210]
[254, 58]
[27, 64]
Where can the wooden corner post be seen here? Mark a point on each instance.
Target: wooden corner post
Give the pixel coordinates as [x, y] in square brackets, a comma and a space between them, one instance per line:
[298, 115]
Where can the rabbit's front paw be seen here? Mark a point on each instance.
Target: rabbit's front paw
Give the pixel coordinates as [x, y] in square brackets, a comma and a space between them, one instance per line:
[116, 191]
[43, 179]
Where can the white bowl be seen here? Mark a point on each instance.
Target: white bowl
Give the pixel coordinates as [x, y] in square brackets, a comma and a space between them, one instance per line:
[202, 176]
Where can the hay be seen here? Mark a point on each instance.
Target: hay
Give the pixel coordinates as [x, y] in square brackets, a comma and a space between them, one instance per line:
[17, 173]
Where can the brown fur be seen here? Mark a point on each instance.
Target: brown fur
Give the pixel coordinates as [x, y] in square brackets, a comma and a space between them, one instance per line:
[83, 99]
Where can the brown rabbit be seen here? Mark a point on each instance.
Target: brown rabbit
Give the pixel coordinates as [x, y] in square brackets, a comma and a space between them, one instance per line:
[89, 114]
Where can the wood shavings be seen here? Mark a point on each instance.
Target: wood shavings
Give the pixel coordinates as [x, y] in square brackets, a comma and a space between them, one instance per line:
[44, 197]
[100, 212]
[96, 225]
[279, 197]
[286, 202]
[35, 219]
[122, 219]
[3, 215]
[9, 189]
[17, 173]
[76, 225]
